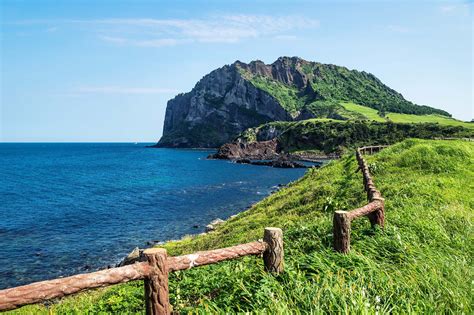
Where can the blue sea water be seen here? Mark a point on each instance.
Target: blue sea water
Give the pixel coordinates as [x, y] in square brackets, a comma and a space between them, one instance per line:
[71, 208]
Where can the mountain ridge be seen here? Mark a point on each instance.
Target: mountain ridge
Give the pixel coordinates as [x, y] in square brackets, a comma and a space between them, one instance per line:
[238, 96]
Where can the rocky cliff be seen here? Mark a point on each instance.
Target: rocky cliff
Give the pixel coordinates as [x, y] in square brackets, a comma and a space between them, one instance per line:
[235, 97]
[219, 107]
[258, 150]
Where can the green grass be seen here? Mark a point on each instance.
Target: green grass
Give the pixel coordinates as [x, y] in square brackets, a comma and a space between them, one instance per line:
[368, 112]
[443, 120]
[372, 114]
[287, 96]
[421, 263]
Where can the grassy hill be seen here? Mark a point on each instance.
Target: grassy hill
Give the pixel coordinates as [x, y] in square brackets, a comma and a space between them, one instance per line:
[372, 114]
[420, 263]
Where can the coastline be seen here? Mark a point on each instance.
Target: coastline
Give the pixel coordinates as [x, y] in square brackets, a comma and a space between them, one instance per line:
[136, 254]
[76, 219]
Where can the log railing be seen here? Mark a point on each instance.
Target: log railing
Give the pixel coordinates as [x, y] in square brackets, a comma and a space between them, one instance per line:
[154, 270]
[374, 210]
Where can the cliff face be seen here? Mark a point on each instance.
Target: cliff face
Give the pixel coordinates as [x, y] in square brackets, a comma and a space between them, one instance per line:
[220, 106]
[235, 97]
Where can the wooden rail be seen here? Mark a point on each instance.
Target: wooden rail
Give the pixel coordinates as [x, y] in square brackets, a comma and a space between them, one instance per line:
[374, 210]
[154, 270]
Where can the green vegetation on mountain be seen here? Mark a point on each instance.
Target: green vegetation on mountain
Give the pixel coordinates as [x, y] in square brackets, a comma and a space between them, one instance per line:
[286, 95]
[327, 136]
[366, 112]
[306, 84]
[420, 263]
[334, 110]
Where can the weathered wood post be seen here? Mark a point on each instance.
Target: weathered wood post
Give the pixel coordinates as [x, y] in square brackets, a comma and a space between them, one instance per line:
[378, 217]
[370, 190]
[273, 256]
[342, 232]
[156, 284]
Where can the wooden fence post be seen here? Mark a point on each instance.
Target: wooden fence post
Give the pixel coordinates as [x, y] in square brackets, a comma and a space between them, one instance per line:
[378, 217]
[273, 254]
[342, 232]
[370, 191]
[156, 284]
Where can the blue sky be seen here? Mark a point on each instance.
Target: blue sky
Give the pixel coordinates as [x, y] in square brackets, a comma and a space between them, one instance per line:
[104, 70]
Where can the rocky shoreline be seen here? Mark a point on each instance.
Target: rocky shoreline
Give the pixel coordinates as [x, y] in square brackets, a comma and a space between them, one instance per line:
[261, 153]
[258, 150]
[265, 153]
[278, 163]
[136, 254]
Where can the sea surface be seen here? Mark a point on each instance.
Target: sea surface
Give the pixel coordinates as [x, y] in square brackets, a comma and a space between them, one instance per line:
[77, 207]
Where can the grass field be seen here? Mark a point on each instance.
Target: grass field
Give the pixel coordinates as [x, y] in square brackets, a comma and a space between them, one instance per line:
[443, 120]
[368, 112]
[372, 114]
[420, 263]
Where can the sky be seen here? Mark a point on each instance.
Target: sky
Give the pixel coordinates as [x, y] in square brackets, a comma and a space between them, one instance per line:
[86, 71]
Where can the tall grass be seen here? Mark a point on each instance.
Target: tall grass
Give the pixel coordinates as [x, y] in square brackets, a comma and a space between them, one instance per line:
[420, 263]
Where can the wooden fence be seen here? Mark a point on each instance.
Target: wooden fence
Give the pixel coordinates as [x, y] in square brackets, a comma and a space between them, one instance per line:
[156, 264]
[374, 210]
[154, 270]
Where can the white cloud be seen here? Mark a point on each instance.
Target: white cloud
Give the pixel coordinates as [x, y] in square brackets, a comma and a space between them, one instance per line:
[122, 90]
[146, 32]
[161, 42]
[223, 29]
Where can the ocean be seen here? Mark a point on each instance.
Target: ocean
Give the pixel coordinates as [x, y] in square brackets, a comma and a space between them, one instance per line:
[68, 208]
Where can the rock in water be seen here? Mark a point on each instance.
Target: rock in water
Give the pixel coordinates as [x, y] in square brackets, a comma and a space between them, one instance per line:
[212, 226]
[264, 150]
[274, 163]
[131, 258]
